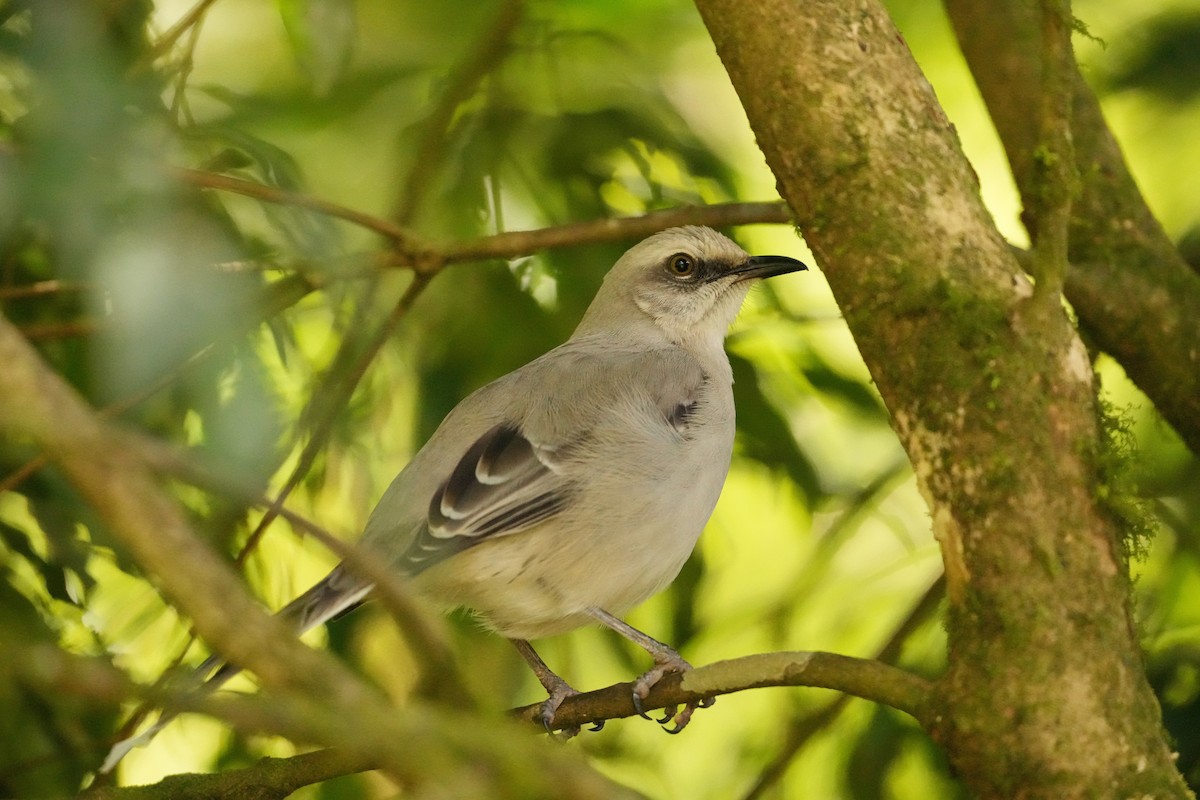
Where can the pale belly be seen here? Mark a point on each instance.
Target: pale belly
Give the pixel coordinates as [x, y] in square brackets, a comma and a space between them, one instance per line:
[613, 548]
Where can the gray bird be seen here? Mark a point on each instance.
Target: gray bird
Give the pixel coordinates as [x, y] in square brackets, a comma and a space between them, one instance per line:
[572, 489]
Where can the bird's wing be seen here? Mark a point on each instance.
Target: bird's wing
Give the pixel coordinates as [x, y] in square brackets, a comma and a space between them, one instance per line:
[512, 454]
[503, 484]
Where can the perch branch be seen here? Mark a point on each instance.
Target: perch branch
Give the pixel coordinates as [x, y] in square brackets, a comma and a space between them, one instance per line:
[871, 680]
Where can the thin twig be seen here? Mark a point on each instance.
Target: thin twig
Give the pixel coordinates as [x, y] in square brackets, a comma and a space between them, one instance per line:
[401, 239]
[168, 39]
[1054, 157]
[517, 243]
[278, 296]
[461, 83]
[179, 103]
[329, 401]
[40, 288]
[411, 252]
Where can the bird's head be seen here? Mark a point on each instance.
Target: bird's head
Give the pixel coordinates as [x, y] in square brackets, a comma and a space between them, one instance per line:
[688, 282]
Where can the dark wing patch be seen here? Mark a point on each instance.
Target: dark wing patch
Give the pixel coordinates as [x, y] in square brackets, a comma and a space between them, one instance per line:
[681, 406]
[503, 484]
[681, 414]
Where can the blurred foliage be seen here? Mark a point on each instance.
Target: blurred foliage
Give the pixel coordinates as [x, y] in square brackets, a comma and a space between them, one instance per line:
[160, 303]
[1152, 91]
[1161, 57]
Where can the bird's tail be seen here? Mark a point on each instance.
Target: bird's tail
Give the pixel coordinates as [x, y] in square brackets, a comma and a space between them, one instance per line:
[340, 592]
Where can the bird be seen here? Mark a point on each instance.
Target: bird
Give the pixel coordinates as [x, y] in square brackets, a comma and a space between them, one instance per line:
[574, 488]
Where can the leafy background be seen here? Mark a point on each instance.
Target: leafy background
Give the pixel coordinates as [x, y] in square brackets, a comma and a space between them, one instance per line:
[227, 325]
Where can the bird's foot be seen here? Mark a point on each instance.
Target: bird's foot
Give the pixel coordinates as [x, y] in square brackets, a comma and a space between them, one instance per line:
[666, 661]
[557, 690]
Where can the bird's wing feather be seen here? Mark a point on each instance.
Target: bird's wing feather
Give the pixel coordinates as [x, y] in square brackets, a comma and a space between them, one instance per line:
[503, 484]
[510, 458]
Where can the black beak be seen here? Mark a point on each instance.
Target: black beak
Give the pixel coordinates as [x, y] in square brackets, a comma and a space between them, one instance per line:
[764, 267]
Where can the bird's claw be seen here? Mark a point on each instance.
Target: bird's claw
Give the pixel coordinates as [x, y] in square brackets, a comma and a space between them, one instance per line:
[549, 709]
[666, 661]
[558, 692]
[638, 705]
[681, 720]
[664, 664]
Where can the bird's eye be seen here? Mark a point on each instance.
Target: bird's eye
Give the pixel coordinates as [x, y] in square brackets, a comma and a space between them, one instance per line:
[681, 265]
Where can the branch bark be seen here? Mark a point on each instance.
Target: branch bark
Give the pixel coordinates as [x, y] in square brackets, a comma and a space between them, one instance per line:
[410, 251]
[266, 779]
[991, 394]
[860, 677]
[511, 244]
[1136, 298]
[47, 669]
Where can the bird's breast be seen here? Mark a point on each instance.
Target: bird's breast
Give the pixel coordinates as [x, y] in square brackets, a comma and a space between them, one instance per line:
[639, 503]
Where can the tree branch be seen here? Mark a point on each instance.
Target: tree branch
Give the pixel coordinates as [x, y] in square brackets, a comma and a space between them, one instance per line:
[871, 680]
[1054, 176]
[266, 779]
[1110, 222]
[402, 240]
[427, 156]
[278, 296]
[275, 778]
[410, 251]
[120, 488]
[118, 485]
[48, 670]
[517, 243]
[427, 638]
[994, 405]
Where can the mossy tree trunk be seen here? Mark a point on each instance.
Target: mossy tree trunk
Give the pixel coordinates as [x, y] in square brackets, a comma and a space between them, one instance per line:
[990, 390]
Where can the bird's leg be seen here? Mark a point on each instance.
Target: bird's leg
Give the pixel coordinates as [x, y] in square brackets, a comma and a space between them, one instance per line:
[557, 689]
[666, 661]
